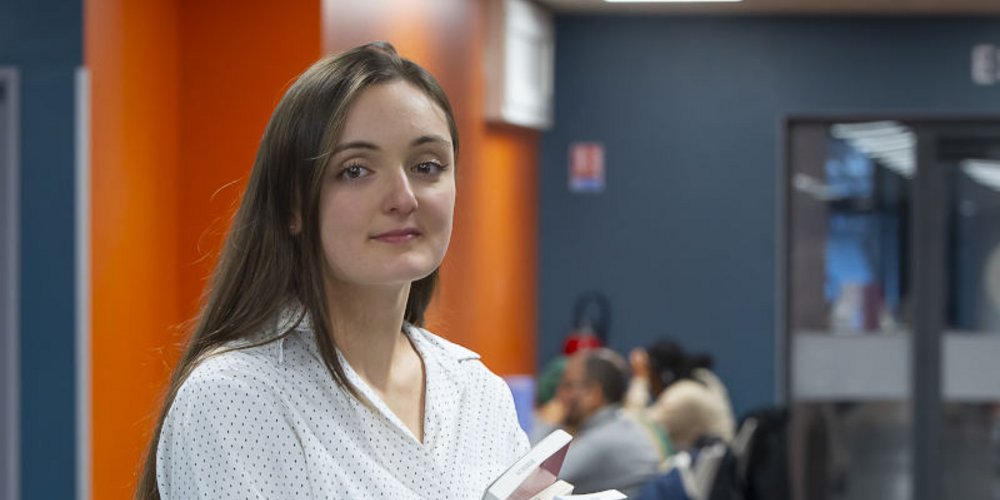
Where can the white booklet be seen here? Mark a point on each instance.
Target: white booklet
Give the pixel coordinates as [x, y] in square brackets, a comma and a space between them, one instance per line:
[535, 476]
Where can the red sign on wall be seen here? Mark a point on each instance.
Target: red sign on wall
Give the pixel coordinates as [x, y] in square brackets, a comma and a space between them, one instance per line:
[586, 167]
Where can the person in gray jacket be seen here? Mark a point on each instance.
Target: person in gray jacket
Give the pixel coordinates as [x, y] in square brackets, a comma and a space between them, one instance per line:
[610, 450]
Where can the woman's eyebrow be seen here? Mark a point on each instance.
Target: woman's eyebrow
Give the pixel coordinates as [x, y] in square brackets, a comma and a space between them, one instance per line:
[419, 141]
[355, 145]
[426, 139]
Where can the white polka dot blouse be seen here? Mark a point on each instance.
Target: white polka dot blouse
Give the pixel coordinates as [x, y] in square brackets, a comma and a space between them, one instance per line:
[269, 422]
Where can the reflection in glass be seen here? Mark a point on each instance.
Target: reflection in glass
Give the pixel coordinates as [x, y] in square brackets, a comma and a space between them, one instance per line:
[971, 419]
[974, 301]
[849, 224]
[860, 196]
[849, 309]
[972, 455]
[861, 451]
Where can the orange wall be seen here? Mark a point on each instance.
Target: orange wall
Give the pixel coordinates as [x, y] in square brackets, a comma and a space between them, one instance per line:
[488, 296]
[181, 91]
[131, 51]
[237, 57]
[505, 257]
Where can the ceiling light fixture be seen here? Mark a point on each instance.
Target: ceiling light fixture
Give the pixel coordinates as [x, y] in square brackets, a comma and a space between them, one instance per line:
[985, 172]
[889, 142]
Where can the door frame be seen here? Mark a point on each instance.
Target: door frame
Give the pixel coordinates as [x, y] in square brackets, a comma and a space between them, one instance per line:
[9, 288]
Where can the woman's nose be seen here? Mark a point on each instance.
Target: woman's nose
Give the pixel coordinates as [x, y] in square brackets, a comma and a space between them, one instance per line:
[400, 197]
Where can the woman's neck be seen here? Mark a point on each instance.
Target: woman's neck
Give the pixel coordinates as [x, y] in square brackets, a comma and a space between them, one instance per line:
[366, 325]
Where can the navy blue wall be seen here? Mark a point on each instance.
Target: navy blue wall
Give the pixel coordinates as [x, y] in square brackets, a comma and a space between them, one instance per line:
[43, 40]
[689, 109]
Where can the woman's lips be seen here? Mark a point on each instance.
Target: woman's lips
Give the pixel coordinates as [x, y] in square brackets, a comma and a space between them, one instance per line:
[397, 236]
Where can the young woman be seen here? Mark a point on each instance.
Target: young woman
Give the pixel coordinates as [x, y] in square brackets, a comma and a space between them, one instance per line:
[308, 375]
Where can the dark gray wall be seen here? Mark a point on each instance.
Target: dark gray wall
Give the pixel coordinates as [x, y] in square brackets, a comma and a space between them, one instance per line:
[689, 109]
[43, 40]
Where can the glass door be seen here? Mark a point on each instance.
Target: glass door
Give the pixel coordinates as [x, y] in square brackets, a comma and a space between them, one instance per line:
[891, 315]
[849, 294]
[969, 157]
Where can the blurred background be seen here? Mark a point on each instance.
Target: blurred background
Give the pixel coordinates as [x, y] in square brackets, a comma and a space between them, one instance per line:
[806, 190]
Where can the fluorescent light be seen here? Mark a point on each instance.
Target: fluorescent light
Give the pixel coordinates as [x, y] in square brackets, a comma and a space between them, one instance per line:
[892, 143]
[867, 129]
[671, 1]
[985, 172]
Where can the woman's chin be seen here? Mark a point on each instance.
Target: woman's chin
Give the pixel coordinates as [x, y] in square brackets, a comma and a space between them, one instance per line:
[404, 275]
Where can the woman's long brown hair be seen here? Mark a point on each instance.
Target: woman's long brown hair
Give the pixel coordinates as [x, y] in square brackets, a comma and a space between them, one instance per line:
[263, 267]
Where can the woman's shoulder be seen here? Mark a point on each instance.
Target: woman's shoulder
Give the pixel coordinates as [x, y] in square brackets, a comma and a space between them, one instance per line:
[232, 371]
[261, 353]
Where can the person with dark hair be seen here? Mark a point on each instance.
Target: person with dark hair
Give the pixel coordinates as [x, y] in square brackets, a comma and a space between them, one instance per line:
[308, 374]
[660, 364]
[610, 450]
[676, 394]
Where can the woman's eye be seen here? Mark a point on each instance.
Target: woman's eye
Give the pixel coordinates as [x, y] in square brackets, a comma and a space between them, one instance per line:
[429, 168]
[353, 172]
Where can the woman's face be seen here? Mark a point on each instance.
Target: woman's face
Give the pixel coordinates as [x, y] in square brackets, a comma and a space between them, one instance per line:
[388, 192]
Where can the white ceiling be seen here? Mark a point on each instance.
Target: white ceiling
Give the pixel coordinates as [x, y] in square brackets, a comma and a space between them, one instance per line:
[836, 7]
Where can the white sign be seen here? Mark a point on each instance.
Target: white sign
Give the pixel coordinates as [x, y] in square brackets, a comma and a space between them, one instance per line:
[985, 64]
[586, 167]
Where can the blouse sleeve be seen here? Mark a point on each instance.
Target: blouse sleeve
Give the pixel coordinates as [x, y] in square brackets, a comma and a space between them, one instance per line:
[511, 428]
[227, 435]
[517, 434]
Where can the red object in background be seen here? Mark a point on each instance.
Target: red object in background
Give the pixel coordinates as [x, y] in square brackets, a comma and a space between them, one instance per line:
[591, 316]
[581, 340]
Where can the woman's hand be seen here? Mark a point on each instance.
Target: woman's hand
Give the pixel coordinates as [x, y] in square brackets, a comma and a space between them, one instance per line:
[639, 360]
[552, 412]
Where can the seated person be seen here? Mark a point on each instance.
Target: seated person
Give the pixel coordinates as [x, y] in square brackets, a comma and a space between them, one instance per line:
[688, 400]
[548, 412]
[691, 409]
[656, 366]
[609, 449]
